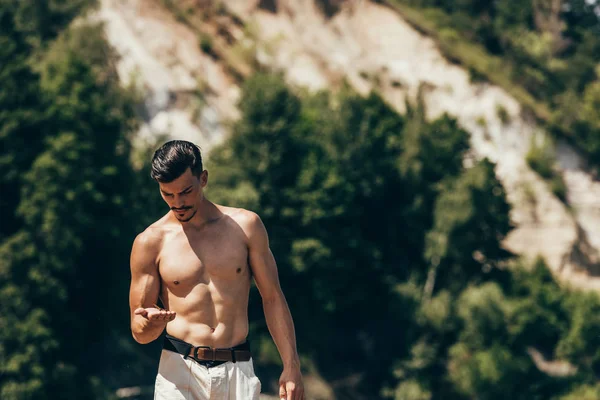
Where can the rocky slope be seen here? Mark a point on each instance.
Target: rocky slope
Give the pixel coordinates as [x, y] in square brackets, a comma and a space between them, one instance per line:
[191, 93]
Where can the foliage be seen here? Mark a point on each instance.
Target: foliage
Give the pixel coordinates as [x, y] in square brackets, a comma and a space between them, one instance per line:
[66, 121]
[339, 180]
[541, 157]
[38, 22]
[588, 392]
[206, 44]
[20, 123]
[544, 52]
[471, 220]
[389, 246]
[389, 249]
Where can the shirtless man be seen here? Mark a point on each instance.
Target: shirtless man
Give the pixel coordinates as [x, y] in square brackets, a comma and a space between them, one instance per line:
[198, 260]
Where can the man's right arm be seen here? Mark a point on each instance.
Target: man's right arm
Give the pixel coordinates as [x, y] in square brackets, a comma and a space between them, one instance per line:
[147, 322]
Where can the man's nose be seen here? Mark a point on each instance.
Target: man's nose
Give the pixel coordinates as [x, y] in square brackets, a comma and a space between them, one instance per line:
[178, 202]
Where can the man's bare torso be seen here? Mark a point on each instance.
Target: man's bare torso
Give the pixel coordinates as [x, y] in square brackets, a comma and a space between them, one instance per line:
[205, 278]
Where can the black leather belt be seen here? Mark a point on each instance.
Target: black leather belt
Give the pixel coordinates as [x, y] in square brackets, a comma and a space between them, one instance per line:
[202, 354]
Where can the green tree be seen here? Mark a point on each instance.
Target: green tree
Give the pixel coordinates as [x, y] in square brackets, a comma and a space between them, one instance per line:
[38, 22]
[431, 153]
[341, 181]
[471, 220]
[21, 119]
[69, 250]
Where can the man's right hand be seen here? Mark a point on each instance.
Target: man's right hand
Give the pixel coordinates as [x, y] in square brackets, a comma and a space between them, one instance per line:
[154, 314]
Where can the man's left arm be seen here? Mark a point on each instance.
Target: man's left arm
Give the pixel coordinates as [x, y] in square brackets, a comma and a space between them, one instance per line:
[277, 313]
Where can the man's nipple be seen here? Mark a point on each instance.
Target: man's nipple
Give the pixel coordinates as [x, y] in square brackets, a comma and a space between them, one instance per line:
[176, 282]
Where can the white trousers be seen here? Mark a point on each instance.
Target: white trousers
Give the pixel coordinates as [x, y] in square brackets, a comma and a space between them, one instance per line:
[181, 379]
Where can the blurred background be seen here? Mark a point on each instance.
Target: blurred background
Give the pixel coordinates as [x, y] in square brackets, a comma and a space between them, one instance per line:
[427, 171]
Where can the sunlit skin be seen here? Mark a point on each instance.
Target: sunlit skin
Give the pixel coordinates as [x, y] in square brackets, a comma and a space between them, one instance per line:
[199, 260]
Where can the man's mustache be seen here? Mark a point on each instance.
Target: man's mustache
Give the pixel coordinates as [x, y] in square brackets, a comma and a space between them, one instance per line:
[181, 209]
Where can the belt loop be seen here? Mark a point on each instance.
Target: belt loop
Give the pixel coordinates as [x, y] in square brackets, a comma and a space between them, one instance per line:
[233, 355]
[187, 353]
[214, 351]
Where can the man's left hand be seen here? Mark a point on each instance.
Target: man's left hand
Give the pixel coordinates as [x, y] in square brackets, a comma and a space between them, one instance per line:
[290, 385]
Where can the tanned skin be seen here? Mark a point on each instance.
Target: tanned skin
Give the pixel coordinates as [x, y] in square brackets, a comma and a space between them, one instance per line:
[198, 260]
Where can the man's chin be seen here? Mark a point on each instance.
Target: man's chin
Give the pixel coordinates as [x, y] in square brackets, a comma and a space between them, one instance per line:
[183, 218]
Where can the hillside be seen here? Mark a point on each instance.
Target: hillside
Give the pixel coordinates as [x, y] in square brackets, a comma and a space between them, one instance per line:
[188, 60]
[361, 132]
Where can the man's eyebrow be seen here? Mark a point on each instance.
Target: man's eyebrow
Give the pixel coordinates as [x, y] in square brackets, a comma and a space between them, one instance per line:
[184, 190]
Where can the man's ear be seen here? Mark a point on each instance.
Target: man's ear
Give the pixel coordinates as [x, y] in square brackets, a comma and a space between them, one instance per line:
[204, 178]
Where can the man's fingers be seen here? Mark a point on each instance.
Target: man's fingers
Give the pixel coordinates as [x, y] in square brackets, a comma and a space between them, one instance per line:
[282, 394]
[290, 388]
[154, 314]
[168, 315]
[291, 391]
[162, 315]
[141, 311]
[157, 315]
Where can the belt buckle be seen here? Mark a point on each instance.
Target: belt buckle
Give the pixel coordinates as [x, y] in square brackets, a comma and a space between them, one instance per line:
[202, 347]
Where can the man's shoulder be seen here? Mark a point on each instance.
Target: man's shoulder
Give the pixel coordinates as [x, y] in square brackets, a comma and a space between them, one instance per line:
[249, 222]
[152, 237]
[242, 217]
[146, 249]
[148, 241]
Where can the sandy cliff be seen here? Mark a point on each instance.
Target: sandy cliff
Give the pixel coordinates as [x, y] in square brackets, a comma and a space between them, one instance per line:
[191, 94]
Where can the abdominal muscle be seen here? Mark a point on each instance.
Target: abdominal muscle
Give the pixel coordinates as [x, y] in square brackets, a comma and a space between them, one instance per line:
[210, 317]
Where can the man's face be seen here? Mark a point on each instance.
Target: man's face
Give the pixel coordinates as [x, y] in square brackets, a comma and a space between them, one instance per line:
[184, 194]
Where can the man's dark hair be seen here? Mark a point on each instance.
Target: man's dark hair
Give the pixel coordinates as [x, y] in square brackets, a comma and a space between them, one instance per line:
[173, 158]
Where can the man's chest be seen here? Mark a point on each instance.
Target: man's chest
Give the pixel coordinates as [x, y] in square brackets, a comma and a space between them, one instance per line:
[189, 259]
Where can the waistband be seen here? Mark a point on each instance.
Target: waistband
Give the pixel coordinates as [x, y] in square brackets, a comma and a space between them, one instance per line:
[207, 356]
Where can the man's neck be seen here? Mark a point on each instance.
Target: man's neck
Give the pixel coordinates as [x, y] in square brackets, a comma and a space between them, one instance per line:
[206, 212]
